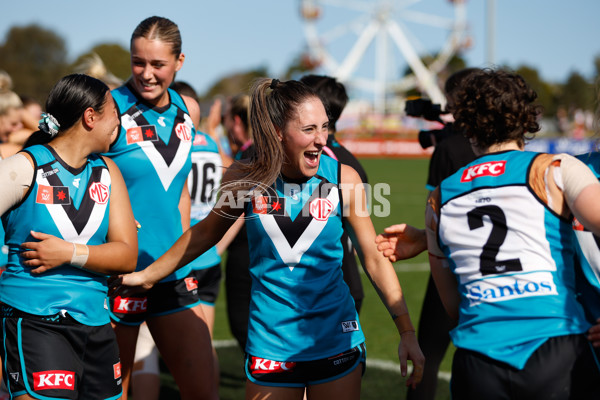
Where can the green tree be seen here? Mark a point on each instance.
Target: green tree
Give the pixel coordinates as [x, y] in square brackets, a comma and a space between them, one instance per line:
[577, 93]
[233, 84]
[35, 59]
[547, 93]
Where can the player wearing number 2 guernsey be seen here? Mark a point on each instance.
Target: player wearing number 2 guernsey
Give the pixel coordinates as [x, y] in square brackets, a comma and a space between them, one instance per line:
[511, 254]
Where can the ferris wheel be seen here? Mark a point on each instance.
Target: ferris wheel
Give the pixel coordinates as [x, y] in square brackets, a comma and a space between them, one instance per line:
[379, 46]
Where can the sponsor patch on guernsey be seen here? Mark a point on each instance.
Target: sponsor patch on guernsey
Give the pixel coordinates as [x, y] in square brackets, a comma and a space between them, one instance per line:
[142, 133]
[491, 168]
[349, 326]
[503, 288]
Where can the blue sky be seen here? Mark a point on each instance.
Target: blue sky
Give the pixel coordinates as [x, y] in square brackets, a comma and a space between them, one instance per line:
[225, 36]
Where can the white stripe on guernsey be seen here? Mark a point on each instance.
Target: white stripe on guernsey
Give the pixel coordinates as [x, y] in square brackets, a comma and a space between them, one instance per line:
[166, 173]
[292, 255]
[64, 223]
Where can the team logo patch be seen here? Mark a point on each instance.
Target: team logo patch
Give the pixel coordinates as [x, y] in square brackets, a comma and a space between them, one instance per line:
[99, 192]
[183, 132]
[53, 195]
[53, 380]
[349, 326]
[268, 205]
[117, 370]
[264, 366]
[320, 209]
[492, 168]
[191, 283]
[142, 133]
[130, 305]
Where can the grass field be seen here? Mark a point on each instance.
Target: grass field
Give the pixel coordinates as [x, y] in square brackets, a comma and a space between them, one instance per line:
[407, 199]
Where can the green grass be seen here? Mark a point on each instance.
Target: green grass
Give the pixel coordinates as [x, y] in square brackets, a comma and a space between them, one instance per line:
[407, 204]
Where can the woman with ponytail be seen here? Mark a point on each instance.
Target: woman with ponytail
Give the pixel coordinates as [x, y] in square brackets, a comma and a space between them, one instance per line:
[303, 332]
[69, 225]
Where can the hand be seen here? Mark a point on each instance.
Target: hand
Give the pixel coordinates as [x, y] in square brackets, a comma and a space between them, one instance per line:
[400, 242]
[409, 350]
[594, 334]
[48, 253]
[127, 284]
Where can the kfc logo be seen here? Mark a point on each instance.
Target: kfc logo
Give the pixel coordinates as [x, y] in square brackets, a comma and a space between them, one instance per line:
[492, 168]
[99, 192]
[263, 366]
[130, 305]
[320, 209]
[184, 133]
[54, 380]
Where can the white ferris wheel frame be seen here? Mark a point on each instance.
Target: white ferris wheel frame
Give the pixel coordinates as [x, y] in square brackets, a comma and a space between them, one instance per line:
[377, 24]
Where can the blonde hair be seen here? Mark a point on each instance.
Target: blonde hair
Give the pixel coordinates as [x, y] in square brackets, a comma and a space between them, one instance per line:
[93, 66]
[8, 98]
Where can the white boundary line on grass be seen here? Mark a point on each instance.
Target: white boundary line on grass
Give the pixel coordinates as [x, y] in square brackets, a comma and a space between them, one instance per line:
[385, 365]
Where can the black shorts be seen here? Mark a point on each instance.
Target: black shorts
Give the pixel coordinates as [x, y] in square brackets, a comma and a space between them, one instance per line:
[304, 373]
[209, 283]
[562, 368]
[57, 357]
[164, 298]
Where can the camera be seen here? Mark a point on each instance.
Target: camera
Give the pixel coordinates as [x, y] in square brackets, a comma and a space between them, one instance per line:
[424, 108]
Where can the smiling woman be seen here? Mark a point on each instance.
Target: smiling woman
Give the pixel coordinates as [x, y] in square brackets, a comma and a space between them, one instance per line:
[304, 334]
[68, 225]
[153, 148]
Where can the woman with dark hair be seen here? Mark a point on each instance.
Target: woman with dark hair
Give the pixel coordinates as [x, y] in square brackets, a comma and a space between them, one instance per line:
[153, 149]
[303, 331]
[501, 252]
[68, 224]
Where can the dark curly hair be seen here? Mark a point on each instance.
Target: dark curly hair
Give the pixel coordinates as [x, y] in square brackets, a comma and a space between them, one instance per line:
[495, 106]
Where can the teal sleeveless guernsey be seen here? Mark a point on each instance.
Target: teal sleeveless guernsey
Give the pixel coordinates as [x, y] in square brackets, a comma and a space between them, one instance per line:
[153, 153]
[301, 308]
[72, 204]
[513, 258]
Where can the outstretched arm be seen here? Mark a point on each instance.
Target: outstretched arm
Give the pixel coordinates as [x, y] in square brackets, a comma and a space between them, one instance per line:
[192, 243]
